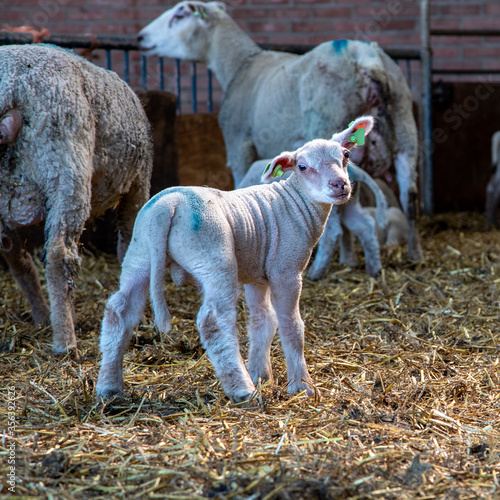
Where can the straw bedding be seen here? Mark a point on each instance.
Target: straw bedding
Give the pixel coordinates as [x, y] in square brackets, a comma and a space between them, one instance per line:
[407, 365]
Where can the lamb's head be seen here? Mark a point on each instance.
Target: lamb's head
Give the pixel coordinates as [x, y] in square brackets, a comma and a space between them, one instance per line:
[321, 165]
[182, 32]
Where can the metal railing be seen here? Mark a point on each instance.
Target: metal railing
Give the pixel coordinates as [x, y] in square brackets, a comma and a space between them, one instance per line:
[90, 44]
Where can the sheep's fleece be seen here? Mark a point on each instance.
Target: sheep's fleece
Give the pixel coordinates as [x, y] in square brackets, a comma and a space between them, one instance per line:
[74, 141]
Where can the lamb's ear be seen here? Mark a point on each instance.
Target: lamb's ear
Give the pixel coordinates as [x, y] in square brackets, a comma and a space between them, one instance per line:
[276, 168]
[354, 134]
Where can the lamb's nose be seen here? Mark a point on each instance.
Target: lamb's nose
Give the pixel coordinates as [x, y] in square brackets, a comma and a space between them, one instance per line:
[338, 184]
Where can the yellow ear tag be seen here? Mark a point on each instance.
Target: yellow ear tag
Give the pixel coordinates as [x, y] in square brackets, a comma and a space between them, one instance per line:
[277, 172]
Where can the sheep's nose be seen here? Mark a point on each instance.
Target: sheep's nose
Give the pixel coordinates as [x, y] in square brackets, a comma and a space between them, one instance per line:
[140, 38]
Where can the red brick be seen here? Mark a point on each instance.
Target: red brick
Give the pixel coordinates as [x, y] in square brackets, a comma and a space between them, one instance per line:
[292, 13]
[269, 27]
[311, 26]
[249, 13]
[445, 52]
[479, 23]
[87, 15]
[459, 10]
[492, 9]
[480, 52]
[337, 12]
[445, 23]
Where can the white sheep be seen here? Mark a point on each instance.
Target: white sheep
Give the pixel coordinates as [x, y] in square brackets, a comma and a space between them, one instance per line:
[261, 236]
[273, 100]
[493, 188]
[350, 216]
[74, 141]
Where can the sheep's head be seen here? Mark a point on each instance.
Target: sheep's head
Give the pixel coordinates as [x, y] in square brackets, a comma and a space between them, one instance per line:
[181, 32]
[321, 165]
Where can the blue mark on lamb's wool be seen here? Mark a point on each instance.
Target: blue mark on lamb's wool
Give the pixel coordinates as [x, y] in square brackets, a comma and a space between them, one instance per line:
[340, 45]
[195, 201]
[197, 208]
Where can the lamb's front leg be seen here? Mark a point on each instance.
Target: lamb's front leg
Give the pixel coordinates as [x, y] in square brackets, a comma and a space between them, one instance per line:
[216, 323]
[262, 323]
[285, 294]
[326, 246]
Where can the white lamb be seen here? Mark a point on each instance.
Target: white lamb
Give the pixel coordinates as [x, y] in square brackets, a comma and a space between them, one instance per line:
[74, 141]
[275, 100]
[261, 236]
[346, 217]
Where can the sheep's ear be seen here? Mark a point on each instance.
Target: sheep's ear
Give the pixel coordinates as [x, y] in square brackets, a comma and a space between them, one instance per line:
[10, 126]
[354, 134]
[276, 168]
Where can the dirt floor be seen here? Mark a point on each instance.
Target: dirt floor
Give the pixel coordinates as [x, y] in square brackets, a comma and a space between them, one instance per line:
[407, 365]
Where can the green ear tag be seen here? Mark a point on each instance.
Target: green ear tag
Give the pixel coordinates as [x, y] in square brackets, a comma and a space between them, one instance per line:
[277, 172]
[267, 168]
[358, 136]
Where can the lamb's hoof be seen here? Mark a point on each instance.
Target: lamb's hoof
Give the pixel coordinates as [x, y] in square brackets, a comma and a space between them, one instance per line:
[311, 391]
[107, 395]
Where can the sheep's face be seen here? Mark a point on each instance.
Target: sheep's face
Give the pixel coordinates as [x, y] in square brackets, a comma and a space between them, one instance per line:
[180, 32]
[321, 165]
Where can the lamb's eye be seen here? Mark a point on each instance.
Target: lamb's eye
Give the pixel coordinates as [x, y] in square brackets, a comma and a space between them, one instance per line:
[346, 155]
[302, 167]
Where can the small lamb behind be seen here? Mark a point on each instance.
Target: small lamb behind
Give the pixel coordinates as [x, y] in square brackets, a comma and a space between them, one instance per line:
[396, 230]
[350, 216]
[261, 236]
[74, 141]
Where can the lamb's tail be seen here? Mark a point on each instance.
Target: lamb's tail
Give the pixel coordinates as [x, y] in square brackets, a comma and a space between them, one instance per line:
[159, 231]
[357, 174]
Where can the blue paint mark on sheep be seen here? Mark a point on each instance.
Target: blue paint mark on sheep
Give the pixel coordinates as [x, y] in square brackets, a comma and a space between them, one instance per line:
[195, 201]
[198, 207]
[340, 45]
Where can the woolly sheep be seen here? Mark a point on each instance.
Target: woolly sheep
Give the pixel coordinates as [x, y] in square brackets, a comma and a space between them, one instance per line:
[350, 216]
[274, 100]
[261, 236]
[74, 141]
[493, 188]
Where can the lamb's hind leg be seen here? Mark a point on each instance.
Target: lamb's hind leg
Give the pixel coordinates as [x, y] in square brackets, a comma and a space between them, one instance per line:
[123, 313]
[216, 323]
[262, 323]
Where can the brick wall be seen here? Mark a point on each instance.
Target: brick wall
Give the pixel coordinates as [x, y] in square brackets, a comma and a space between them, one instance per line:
[392, 23]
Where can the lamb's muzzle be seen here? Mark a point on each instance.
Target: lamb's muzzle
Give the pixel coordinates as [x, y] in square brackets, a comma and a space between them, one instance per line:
[261, 236]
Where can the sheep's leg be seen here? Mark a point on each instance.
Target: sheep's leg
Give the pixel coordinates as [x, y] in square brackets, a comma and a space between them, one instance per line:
[285, 296]
[409, 201]
[23, 269]
[262, 325]
[326, 247]
[363, 226]
[62, 264]
[216, 323]
[127, 211]
[123, 313]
